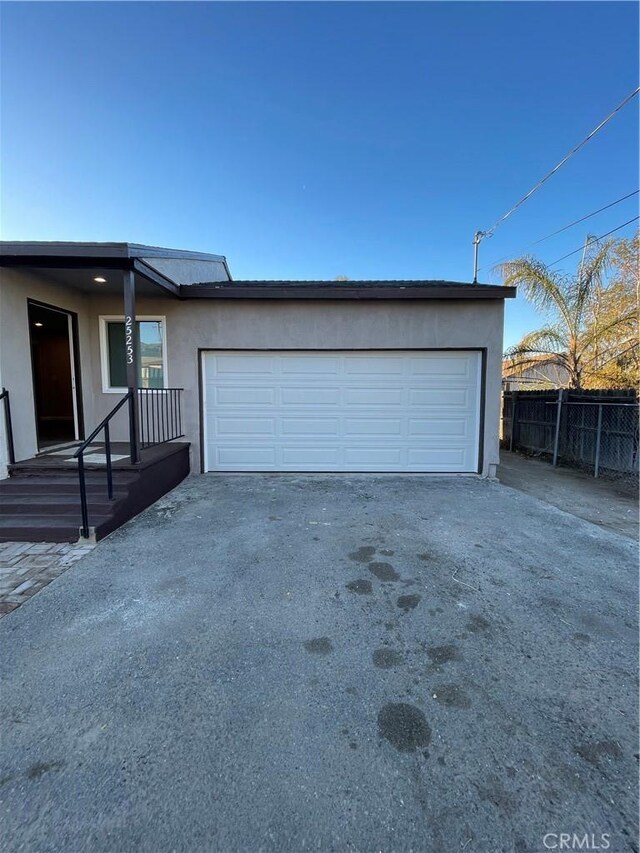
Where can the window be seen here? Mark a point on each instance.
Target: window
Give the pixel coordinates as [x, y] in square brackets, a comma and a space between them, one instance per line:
[152, 353]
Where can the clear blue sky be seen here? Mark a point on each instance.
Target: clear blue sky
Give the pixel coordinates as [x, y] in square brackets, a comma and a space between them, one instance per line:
[311, 140]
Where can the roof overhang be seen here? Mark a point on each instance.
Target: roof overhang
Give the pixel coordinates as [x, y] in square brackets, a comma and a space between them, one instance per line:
[58, 262]
[94, 251]
[100, 256]
[354, 290]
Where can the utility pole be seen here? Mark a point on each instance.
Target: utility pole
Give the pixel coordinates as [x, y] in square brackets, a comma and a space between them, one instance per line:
[587, 240]
[477, 237]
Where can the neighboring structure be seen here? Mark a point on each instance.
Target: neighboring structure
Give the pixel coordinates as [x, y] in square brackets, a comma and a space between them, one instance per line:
[396, 376]
[539, 373]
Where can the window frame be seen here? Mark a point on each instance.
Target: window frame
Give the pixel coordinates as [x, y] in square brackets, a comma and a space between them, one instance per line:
[104, 348]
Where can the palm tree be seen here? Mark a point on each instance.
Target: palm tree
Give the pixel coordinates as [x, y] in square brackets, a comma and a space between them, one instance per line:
[578, 336]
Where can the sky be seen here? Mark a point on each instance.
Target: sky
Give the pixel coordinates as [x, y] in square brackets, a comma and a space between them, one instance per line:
[311, 140]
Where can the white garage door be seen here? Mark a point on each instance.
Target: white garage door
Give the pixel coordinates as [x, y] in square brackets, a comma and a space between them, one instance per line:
[342, 411]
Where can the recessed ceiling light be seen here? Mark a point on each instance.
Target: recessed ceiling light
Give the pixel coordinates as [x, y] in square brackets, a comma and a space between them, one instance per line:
[37, 324]
[100, 280]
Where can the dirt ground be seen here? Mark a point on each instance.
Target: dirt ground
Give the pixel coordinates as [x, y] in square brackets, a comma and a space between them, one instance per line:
[606, 503]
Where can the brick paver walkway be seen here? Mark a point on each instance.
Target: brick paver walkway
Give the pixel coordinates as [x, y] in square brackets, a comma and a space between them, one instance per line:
[27, 567]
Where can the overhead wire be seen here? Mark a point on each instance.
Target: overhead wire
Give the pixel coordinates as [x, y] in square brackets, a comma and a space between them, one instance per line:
[583, 218]
[592, 240]
[574, 150]
[570, 225]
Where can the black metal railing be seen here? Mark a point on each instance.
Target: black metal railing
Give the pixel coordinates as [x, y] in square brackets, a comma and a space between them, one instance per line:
[8, 429]
[159, 415]
[79, 455]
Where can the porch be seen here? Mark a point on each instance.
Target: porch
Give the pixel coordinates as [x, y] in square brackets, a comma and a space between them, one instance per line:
[48, 498]
[91, 432]
[82, 325]
[95, 458]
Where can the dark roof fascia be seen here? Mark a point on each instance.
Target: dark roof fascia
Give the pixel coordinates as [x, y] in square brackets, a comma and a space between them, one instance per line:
[15, 249]
[334, 290]
[67, 262]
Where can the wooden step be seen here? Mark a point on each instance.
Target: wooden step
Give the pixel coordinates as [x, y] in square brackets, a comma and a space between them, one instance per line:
[42, 503]
[69, 475]
[35, 486]
[40, 528]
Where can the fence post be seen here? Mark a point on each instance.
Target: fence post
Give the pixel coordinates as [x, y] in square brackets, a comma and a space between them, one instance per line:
[556, 440]
[514, 406]
[596, 464]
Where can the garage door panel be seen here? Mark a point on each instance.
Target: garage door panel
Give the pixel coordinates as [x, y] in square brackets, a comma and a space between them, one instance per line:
[443, 427]
[243, 365]
[450, 366]
[374, 455]
[437, 458]
[310, 396]
[343, 411]
[309, 366]
[441, 398]
[245, 426]
[318, 458]
[373, 426]
[240, 457]
[229, 395]
[374, 367]
[306, 426]
[377, 396]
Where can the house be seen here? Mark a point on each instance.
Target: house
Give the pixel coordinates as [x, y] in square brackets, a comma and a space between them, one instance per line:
[536, 372]
[216, 375]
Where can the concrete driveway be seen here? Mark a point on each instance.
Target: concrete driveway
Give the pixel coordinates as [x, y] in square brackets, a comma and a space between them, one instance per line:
[268, 663]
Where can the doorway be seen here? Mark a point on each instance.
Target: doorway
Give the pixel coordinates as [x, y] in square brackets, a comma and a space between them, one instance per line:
[53, 337]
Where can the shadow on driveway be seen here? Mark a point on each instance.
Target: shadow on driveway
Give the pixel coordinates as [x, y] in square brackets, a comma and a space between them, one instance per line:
[287, 663]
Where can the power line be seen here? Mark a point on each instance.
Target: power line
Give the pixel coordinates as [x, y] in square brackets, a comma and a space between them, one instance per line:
[593, 240]
[480, 235]
[575, 149]
[570, 225]
[588, 216]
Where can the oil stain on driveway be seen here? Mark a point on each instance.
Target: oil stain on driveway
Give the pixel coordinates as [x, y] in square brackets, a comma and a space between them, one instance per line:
[287, 663]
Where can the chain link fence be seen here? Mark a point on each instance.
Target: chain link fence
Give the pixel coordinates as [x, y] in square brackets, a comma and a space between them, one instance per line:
[596, 431]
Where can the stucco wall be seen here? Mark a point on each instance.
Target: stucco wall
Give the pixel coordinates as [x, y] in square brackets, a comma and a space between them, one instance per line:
[250, 324]
[254, 324]
[16, 287]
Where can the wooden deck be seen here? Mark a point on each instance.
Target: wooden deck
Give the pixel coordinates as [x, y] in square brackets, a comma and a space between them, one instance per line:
[95, 458]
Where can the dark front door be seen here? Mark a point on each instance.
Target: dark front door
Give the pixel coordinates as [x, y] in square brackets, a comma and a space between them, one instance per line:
[54, 385]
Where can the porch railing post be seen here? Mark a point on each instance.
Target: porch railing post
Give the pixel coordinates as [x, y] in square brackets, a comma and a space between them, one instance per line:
[131, 361]
[83, 499]
[107, 451]
[11, 453]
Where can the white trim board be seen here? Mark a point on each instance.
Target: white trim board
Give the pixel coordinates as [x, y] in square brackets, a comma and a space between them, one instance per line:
[103, 319]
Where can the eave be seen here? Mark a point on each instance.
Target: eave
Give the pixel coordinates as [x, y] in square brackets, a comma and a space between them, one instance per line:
[374, 290]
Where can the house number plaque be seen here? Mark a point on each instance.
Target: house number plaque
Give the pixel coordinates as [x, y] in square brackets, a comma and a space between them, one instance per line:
[128, 337]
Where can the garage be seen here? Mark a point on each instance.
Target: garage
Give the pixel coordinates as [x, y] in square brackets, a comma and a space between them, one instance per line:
[342, 411]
